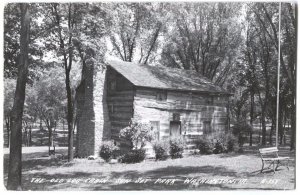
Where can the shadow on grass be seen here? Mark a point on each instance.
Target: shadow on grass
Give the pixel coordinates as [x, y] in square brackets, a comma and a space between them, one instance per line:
[180, 171]
[37, 161]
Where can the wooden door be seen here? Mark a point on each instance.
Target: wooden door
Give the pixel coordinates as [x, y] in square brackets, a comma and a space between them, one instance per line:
[207, 127]
[175, 128]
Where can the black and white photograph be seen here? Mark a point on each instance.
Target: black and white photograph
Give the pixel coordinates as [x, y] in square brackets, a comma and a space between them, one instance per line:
[149, 96]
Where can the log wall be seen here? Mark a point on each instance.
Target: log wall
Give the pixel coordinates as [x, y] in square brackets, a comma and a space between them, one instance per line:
[194, 109]
[120, 102]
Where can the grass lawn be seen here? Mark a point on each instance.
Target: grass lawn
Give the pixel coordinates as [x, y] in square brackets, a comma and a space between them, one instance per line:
[209, 172]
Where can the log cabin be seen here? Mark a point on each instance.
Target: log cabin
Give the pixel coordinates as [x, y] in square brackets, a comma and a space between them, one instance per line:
[175, 102]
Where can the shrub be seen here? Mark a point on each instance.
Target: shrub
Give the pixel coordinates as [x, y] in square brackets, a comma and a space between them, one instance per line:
[241, 150]
[216, 143]
[107, 149]
[216, 137]
[116, 153]
[219, 148]
[204, 145]
[161, 149]
[137, 134]
[228, 141]
[231, 143]
[176, 147]
[133, 156]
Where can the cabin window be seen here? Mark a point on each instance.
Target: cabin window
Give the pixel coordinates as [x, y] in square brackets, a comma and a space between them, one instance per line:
[113, 85]
[161, 96]
[155, 129]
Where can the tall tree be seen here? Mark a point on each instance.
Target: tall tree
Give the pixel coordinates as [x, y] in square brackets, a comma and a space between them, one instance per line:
[288, 59]
[74, 38]
[267, 61]
[15, 157]
[266, 17]
[63, 16]
[135, 30]
[204, 37]
[250, 61]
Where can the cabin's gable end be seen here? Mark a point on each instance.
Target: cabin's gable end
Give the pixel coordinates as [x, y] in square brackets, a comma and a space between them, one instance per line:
[120, 95]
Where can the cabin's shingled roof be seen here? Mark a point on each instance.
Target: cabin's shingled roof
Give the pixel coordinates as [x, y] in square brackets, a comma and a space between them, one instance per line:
[164, 78]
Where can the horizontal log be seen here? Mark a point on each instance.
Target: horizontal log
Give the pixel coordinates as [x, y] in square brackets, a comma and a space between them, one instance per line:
[117, 117]
[146, 92]
[115, 132]
[153, 97]
[120, 98]
[117, 129]
[120, 103]
[121, 123]
[173, 105]
[123, 109]
[120, 93]
[118, 112]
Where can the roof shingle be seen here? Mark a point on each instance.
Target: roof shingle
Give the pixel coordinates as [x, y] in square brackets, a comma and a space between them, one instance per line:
[164, 78]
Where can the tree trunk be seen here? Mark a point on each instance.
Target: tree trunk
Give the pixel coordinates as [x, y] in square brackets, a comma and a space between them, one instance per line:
[69, 91]
[7, 122]
[284, 135]
[25, 137]
[67, 66]
[30, 131]
[15, 157]
[153, 42]
[50, 136]
[264, 130]
[69, 115]
[293, 110]
[282, 118]
[251, 117]
[284, 127]
[293, 127]
[259, 134]
[41, 125]
[8, 132]
[271, 133]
